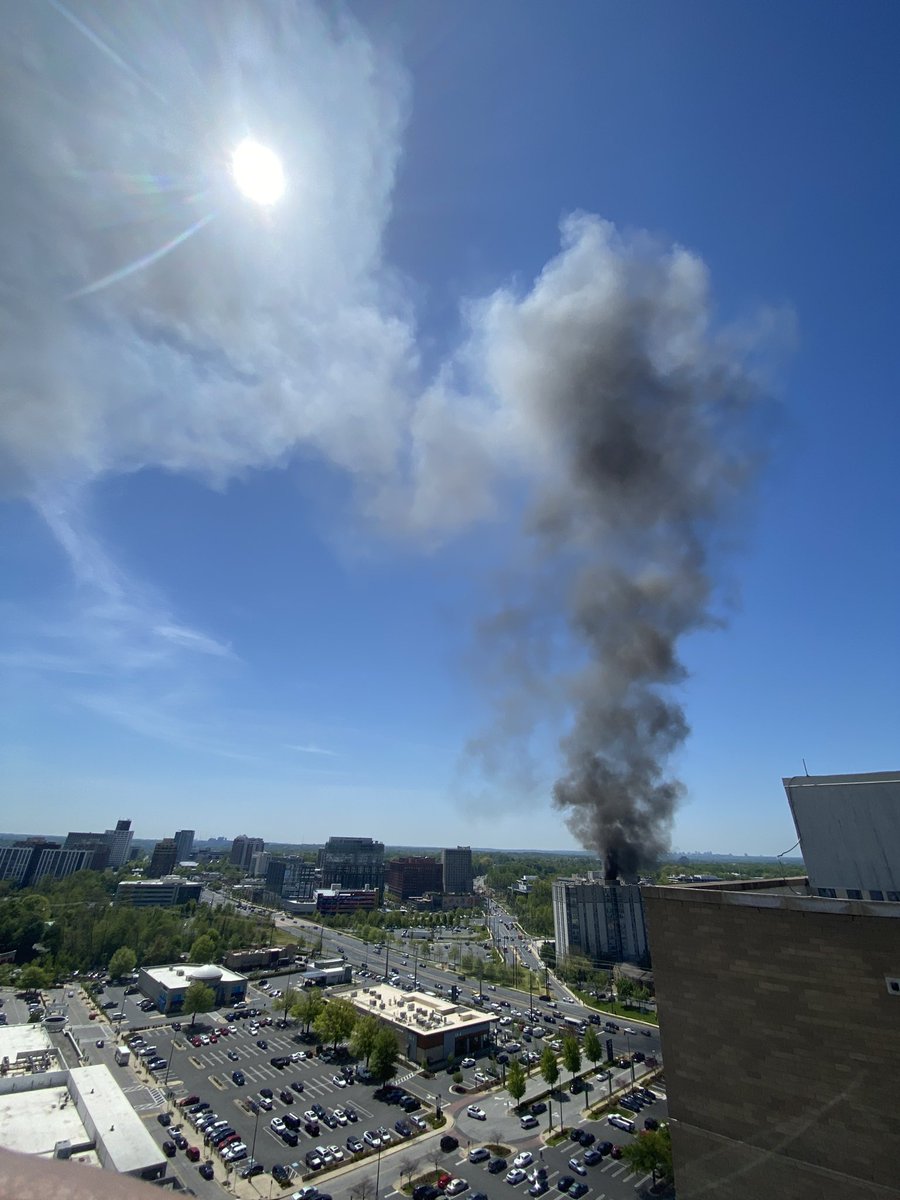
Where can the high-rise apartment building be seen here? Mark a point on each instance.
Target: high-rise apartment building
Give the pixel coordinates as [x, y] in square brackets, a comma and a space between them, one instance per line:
[184, 845]
[259, 863]
[602, 921]
[413, 875]
[162, 860]
[14, 863]
[119, 843]
[457, 870]
[59, 863]
[243, 848]
[779, 1008]
[352, 863]
[37, 858]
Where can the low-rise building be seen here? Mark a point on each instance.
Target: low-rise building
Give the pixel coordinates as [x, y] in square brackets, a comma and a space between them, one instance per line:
[81, 1115]
[157, 893]
[166, 986]
[345, 900]
[262, 959]
[430, 1030]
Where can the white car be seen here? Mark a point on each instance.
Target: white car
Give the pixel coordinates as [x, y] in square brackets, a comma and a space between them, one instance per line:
[277, 1125]
[478, 1113]
[339, 1081]
[336, 1153]
[528, 1121]
[467, 1062]
[516, 1175]
[455, 1186]
[524, 1159]
[621, 1123]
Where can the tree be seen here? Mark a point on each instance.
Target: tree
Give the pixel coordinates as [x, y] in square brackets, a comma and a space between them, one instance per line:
[204, 948]
[32, 976]
[516, 1081]
[122, 962]
[308, 1007]
[198, 999]
[383, 1063]
[571, 1055]
[336, 1020]
[651, 1151]
[549, 1068]
[593, 1049]
[365, 1031]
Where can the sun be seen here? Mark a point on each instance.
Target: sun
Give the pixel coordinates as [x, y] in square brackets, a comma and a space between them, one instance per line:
[257, 172]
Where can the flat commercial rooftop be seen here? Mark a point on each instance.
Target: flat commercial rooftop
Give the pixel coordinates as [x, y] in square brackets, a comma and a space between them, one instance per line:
[33, 1122]
[416, 1010]
[179, 977]
[24, 1039]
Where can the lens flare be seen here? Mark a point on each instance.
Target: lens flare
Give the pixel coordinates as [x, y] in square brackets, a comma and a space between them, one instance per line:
[257, 172]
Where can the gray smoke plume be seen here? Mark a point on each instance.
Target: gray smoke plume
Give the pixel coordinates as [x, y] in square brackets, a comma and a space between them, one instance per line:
[649, 427]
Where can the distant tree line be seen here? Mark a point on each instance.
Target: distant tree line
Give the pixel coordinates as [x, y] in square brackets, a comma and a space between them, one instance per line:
[72, 925]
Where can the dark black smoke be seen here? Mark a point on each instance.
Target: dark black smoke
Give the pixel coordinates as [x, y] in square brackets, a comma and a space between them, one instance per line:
[649, 427]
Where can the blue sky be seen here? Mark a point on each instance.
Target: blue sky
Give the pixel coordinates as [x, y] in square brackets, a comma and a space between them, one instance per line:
[265, 493]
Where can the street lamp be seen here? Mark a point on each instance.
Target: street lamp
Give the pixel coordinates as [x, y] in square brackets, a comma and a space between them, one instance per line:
[255, 1131]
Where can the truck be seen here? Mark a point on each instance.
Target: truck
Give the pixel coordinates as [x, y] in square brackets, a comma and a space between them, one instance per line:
[122, 1055]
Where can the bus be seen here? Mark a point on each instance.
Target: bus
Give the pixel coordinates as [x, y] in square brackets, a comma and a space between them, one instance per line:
[575, 1024]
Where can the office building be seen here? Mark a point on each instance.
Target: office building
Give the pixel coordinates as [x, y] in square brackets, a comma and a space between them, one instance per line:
[242, 850]
[163, 859]
[166, 986]
[457, 870]
[413, 876]
[602, 921]
[336, 901]
[290, 878]
[184, 845]
[97, 843]
[350, 862]
[119, 843]
[14, 863]
[849, 831]
[157, 893]
[59, 863]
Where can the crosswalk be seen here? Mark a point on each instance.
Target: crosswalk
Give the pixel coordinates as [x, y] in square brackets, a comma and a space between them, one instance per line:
[153, 1096]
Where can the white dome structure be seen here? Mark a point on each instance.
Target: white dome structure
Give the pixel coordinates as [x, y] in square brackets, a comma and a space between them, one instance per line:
[205, 974]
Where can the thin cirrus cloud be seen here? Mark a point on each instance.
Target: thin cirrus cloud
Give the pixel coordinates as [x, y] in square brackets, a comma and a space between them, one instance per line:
[311, 748]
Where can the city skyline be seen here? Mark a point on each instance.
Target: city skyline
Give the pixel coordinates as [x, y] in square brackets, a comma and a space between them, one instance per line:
[536, 442]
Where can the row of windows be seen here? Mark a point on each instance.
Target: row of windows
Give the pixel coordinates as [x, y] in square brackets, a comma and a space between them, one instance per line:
[856, 894]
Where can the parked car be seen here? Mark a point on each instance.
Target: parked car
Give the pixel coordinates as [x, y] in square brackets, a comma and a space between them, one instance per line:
[206, 1170]
[168, 1149]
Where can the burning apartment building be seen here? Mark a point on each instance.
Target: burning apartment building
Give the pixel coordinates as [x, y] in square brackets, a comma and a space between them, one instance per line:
[600, 919]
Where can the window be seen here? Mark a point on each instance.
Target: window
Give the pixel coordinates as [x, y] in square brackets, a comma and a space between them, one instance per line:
[895, 896]
[828, 893]
[854, 894]
[876, 895]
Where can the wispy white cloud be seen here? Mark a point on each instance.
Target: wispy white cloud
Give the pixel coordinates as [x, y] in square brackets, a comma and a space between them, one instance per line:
[311, 748]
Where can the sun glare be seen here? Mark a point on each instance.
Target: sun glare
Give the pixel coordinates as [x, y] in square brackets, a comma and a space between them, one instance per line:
[257, 172]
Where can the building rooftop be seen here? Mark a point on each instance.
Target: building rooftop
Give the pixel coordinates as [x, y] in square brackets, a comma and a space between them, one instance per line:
[84, 1106]
[788, 893]
[416, 1010]
[183, 975]
[813, 781]
[24, 1040]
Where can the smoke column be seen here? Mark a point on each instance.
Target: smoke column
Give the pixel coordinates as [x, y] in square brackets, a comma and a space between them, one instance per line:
[649, 427]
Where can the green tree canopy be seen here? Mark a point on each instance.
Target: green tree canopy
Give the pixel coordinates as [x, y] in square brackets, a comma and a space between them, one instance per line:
[516, 1081]
[383, 1063]
[198, 999]
[651, 1151]
[364, 1034]
[204, 948]
[336, 1020]
[33, 976]
[310, 1003]
[571, 1054]
[549, 1067]
[593, 1047]
[122, 962]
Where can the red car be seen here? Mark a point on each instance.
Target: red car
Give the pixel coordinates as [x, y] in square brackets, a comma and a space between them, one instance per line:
[195, 1041]
[193, 1153]
[186, 1100]
[443, 1180]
